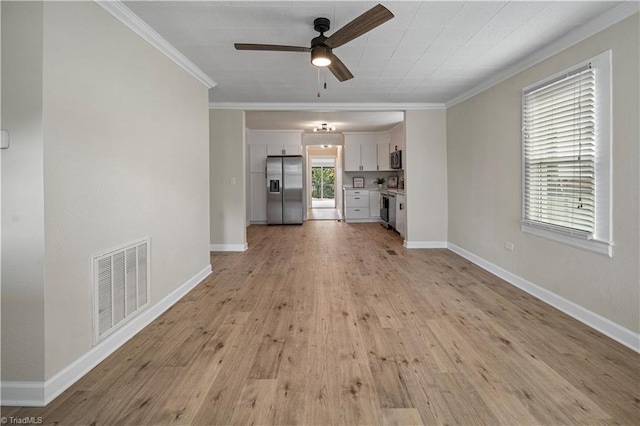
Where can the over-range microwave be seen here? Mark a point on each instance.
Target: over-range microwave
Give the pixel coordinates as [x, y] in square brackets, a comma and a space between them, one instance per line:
[395, 159]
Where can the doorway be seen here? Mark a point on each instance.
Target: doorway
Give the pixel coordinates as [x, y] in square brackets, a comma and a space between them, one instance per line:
[323, 181]
[324, 177]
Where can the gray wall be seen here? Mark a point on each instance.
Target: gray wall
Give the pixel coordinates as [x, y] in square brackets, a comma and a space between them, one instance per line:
[123, 154]
[22, 193]
[228, 200]
[426, 177]
[484, 177]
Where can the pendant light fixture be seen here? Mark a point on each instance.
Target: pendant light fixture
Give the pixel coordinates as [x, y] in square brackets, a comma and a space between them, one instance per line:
[324, 127]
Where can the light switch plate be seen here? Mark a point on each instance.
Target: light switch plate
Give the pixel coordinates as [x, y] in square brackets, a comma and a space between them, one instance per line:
[5, 139]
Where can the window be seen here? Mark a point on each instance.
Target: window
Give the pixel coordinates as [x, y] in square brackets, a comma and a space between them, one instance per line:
[566, 154]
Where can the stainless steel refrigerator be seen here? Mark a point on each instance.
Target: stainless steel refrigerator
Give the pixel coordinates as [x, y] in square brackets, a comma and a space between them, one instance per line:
[284, 190]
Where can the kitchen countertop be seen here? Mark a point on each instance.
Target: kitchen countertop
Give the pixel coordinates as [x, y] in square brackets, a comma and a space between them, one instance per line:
[394, 190]
[375, 188]
[366, 187]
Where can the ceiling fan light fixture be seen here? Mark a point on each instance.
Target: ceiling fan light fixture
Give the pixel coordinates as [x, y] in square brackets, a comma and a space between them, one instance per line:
[322, 47]
[321, 56]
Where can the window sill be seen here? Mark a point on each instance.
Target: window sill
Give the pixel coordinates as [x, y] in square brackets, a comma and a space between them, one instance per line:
[595, 246]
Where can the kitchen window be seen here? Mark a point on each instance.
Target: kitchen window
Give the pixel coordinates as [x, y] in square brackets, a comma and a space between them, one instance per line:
[566, 156]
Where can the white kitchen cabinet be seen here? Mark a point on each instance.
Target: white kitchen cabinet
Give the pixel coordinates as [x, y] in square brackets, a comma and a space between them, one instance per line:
[401, 214]
[383, 141]
[258, 197]
[258, 154]
[284, 149]
[367, 152]
[369, 157]
[292, 149]
[353, 214]
[361, 152]
[360, 157]
[383, 157]
[275, 149]
[352, 158]
[356, 205]
[257, 157]
[374, 204]
[397, 135]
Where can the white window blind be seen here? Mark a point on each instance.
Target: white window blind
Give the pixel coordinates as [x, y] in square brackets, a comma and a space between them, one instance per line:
[559, 148]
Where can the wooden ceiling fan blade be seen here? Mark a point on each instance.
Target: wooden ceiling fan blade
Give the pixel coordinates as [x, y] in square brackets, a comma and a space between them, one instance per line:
[364, 23]
[271, 47]
[339, 69]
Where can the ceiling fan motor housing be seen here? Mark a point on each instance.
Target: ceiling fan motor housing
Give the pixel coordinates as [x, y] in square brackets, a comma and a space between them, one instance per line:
[321, 25]
[317, 41]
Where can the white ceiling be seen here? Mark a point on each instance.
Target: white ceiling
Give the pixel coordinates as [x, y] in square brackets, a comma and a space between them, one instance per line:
[431, 52]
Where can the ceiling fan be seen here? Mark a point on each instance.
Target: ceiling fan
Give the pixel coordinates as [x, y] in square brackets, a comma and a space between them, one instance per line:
[322, 47]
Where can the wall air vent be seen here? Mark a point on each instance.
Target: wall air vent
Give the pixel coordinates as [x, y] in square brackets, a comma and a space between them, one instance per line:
[120, 287]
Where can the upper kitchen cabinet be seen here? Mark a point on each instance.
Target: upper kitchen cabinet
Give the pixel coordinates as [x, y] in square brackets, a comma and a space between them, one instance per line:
[360, 157]
[257, 157]
[361, 152]
[397, 136]
[383, 145]
[281, 142]
[284, 149]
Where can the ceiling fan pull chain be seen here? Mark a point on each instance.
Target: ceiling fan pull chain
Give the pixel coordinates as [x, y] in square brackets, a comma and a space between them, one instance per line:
[325, 78]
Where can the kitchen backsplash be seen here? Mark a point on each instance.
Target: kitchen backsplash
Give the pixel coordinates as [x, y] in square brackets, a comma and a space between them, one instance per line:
[370, 177]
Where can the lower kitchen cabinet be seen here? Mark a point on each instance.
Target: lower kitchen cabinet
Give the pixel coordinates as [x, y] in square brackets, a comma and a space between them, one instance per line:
[362, 205]
[357, 213]
[374, 204]
[401, 214]
[356, 205]
[258, 197]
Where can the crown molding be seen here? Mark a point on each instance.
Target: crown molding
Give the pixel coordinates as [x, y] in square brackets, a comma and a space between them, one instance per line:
[397, 126]
[125, 15]
[362, 133]
[297, 106]
[579, 34]
[275, 131]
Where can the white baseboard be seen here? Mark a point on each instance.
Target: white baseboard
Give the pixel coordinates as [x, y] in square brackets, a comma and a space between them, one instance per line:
[22, 394]
[605, 326]
[39, 394]
[424, 244]
[229, 247]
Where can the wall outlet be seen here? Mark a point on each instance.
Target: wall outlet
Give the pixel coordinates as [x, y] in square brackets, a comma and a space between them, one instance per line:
[508, 245]
[233, 181]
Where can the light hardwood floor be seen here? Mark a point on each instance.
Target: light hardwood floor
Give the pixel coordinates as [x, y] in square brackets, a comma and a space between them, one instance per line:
[332, 323]
[324, 214]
